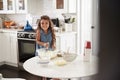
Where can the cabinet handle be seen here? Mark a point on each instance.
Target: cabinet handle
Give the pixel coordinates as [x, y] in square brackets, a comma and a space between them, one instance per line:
[92, 27]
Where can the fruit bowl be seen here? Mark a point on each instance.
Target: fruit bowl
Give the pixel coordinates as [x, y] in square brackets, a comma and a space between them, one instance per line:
[8, 23]
[69, 57]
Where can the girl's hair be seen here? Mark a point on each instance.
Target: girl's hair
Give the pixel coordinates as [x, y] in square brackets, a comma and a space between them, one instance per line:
[45, 17]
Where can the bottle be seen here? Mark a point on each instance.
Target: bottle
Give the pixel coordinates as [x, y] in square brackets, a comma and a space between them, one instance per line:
[87, 51]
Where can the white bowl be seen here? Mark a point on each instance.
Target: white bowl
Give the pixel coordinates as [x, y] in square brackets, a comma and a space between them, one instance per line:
[69, 57]
[43, 60]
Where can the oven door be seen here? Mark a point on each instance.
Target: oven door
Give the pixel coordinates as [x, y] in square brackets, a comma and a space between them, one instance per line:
[26, 49]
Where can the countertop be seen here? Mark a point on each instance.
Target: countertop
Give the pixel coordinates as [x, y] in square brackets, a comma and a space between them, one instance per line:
[10, 30]
[57, 33]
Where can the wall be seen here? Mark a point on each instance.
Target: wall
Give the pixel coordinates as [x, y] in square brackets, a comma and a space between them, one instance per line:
[20, 19]
[85, 21]
[95, 24]
[109, 43]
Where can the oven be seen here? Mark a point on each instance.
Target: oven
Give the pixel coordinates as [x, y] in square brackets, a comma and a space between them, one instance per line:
[26, 46]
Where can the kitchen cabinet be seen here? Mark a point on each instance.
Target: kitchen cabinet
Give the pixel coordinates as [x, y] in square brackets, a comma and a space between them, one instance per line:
[19, 6]
[13, 48]
[6, 46]
[60, 5]
[27, 6]
[66, 40]
[1, 56]
[72, 6]
[63, 6]
[9, 47]
[7, 6]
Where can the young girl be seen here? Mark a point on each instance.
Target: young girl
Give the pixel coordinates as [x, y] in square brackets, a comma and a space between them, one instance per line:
[45, 35]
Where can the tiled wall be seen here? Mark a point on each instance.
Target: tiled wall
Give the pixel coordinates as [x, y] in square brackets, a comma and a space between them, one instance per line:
[20, 19]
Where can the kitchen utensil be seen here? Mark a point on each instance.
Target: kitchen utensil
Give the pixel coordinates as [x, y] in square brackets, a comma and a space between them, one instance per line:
[69, 57]
[28, 27]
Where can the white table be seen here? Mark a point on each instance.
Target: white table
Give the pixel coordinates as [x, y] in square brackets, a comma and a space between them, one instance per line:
[76, 69]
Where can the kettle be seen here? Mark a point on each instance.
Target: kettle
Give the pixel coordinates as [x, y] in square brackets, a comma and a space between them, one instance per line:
[28, 27]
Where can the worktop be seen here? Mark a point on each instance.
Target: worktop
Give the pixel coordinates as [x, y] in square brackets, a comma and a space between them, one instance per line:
[57, 33]
[10, 30]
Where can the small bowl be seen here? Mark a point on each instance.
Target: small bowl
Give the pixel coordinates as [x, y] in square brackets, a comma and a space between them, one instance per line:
[69, 57]
[44, 62]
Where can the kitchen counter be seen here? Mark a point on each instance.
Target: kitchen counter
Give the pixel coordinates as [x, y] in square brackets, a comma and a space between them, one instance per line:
[57, 33]
[10, 30]
[65, 33]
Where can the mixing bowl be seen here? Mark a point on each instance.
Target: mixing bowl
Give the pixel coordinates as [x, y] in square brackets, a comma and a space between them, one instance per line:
[69, 57]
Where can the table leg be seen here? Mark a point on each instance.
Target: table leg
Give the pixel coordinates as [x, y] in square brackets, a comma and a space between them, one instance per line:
[44, 78]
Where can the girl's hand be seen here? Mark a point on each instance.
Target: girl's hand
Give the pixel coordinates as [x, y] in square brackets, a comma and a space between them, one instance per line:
[46, 45]
[53, 47]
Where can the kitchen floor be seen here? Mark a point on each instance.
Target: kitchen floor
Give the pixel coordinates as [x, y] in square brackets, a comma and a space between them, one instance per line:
[13, 72]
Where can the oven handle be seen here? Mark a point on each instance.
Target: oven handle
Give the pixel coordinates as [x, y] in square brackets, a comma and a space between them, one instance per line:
[26, 39]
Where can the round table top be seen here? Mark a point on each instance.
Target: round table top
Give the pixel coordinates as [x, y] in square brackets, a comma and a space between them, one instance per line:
[77, 68]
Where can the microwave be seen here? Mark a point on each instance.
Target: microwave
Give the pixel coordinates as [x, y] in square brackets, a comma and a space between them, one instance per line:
[55, 22]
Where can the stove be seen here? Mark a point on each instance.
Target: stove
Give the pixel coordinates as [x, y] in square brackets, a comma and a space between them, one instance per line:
[26, 46]
[28, 35]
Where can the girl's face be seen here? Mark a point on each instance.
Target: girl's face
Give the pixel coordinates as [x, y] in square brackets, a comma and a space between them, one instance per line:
[44, 24]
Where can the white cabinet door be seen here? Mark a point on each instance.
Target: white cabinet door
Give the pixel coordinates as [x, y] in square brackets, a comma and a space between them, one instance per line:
[28, 6]
[6, 46]
[72, 6]
[1, 57]
[13, 48]
[21, 6]
[7, 6]
[10, 7]
[9, 47]
[2, 6]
